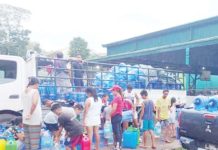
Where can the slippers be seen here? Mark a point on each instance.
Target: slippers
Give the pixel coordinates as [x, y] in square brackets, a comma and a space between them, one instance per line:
[167, 141]
[153, 147]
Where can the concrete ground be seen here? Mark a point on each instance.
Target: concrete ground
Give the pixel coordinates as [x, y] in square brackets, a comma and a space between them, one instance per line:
[175, 145]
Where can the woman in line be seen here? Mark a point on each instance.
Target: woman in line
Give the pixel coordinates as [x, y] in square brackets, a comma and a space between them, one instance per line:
[116, 115]
[92, 115]
[32, 114]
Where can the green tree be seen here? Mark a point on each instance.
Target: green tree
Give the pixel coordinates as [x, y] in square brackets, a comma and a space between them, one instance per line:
[79, 46]
[13, 37]
[34, 46]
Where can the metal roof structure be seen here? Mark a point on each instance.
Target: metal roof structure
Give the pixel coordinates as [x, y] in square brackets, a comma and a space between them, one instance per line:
[188, 47]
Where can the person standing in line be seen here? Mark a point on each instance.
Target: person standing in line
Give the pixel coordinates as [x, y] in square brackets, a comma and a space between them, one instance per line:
[78, 71]
[105, 102]
[92, 115]
[129, 94]
[172, 120]
[148, 117]
[116, 115]
[163, 109]
[32, 114]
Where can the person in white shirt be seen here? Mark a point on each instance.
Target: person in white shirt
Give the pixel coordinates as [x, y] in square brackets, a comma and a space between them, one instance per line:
[172, 119]
[51, 118]
[32, 114]
[92, 115]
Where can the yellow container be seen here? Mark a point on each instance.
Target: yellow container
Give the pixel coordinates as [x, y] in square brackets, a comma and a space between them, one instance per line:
[2, 144]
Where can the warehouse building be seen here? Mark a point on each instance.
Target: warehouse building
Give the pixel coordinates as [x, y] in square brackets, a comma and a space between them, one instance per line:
[191, 48]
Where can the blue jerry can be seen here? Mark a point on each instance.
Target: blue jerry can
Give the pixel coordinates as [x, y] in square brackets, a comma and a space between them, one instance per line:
[130, 139]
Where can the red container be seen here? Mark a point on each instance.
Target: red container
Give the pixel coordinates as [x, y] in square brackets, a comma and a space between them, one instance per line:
[85, 143]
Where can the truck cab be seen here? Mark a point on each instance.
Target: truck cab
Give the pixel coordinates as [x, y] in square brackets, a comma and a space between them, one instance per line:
[12, 82]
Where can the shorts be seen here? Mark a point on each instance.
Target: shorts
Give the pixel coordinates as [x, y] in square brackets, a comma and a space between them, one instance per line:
[51, 127]
[164, 124]
[148, 125]
[73, 141]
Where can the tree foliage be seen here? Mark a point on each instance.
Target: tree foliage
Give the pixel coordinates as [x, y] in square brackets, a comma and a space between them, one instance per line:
[34, 46]
[13, 37]
[79, 46]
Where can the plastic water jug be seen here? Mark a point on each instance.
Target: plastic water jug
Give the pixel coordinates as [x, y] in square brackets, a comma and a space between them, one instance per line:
[52, 92]
[212, 104]
[200, 102]
[108, 130]
[157, 129]
[2, 144]
[130, 139]
[85, 143]
[11, 145]
[137, 130]
[46, 140]
[101, 135]
[43, 92]
[62, 140]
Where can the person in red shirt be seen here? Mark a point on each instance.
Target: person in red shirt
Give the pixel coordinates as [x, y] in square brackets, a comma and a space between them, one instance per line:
[116, 115]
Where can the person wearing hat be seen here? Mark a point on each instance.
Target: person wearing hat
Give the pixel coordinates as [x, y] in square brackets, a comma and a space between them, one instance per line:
[32, 114]
[116, 115]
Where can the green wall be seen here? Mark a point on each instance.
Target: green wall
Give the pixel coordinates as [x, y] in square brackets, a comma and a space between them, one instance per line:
[213, 83]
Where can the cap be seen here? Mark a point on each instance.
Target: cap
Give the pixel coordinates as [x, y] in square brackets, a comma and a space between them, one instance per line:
[115, 88]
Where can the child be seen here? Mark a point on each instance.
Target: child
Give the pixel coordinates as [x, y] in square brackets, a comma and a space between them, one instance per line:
[73, 128]
[172, 119]
[104, 99]
[51, 119]
[147, 115]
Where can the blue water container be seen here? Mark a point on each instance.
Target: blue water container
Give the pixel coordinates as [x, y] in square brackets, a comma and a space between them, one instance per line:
[157, 129]
[46, 141]
[43, 92]
[212, 104]
[81, 97]
[200, 102]
[130, 139]
[52, 92]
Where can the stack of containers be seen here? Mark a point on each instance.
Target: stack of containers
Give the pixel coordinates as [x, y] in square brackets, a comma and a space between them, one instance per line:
[201, 102]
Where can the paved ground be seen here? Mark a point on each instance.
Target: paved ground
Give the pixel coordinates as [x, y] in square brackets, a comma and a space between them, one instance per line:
[175, 145]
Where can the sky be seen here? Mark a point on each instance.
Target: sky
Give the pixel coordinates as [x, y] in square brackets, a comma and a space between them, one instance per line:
[54, 23]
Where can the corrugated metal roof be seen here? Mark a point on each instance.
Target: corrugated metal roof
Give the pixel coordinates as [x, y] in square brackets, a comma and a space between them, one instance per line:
[161, 49]
[158, 33]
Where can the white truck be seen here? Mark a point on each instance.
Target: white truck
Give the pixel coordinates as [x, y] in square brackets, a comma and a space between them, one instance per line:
[14, 72]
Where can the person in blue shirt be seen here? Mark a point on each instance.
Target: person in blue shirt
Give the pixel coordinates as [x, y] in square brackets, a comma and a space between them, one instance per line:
[148, 118]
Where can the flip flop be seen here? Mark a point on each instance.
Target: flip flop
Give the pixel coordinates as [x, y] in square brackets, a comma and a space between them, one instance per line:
[167, 141]
[154, 147]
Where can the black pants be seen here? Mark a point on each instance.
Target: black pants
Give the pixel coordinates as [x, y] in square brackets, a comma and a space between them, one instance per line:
[117, 130]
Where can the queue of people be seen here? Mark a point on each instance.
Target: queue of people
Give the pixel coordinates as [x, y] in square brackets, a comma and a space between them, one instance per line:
[97, 111]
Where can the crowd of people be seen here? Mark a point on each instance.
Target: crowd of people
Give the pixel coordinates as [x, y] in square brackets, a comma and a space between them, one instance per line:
[97, 111]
